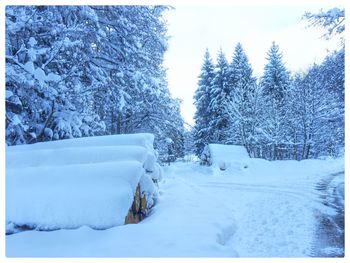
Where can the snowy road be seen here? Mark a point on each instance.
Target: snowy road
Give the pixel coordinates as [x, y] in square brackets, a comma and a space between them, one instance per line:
[270, 209]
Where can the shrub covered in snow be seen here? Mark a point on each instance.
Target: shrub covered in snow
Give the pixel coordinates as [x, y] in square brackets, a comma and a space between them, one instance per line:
[87, 181]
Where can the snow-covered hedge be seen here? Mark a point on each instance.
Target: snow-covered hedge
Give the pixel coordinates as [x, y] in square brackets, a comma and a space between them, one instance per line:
[225, 156]
[87, 181]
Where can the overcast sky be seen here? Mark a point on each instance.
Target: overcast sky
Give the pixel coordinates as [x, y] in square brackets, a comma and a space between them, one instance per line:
[195, 28]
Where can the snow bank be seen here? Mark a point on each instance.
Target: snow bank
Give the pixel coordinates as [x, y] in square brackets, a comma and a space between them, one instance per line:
[225, 156]
[76, 182]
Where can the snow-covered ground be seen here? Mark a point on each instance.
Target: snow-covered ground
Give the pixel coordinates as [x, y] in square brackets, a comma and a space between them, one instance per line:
[262, 209]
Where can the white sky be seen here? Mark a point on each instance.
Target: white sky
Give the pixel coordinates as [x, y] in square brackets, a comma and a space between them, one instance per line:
[195, 28]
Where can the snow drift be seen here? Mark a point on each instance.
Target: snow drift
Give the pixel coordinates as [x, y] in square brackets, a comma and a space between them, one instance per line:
[86, 181]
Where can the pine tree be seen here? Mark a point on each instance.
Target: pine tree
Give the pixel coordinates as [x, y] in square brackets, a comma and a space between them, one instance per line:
[275, 84]
[202, 117]
[220, 94]
[241, 107]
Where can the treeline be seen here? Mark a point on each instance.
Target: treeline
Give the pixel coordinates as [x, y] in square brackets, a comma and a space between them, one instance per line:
[278, 116]
[74, 71]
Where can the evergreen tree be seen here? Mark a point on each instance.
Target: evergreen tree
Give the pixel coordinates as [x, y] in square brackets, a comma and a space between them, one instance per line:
[202, 133]
[189, 146]
[241, 107]
[275, 84]
[220, 93]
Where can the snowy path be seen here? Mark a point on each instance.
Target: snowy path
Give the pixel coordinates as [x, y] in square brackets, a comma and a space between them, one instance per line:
[266, 210]
[263, 218]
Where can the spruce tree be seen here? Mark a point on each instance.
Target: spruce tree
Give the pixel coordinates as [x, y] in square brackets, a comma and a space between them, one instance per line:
[220, 93]
[274, 85]
[202, 117]
[242, 97]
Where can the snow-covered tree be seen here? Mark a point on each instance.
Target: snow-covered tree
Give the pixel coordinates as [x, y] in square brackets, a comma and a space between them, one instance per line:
[189, 146]
[274, 84]
[319, 97]
[220, 93]
[241, 104]
[168, 124]
[75, 71]
[44, 72]
[202, 133]
[132, 55]
[333, 20]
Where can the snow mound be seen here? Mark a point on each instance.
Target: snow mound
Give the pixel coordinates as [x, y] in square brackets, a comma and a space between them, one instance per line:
[225, 157]
[86, 181]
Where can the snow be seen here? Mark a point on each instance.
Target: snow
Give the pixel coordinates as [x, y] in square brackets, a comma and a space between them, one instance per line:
[39, 74]
[73, 155]
[150, 163]
[53, 77]
[48, 133]
[139, 139]
[266, 210]
[15, 120]
[226, 156]
[29, 66]
[157, 173]
[89, 13]
[53, 197]
[168, 140]
[79, 182]
[149, 189]
[8, 94]
[68, 43]
[32, 41]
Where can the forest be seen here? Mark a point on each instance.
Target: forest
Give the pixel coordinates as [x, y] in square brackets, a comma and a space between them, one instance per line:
[100, 161]
[76, 71]
[282, 114]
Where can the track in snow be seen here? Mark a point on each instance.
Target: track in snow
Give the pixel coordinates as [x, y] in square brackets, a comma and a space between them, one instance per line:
[276, 218]
[329, 237]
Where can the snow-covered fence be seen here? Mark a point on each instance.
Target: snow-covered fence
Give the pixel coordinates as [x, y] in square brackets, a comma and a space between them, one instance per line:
[96, 181]
[225, 156]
